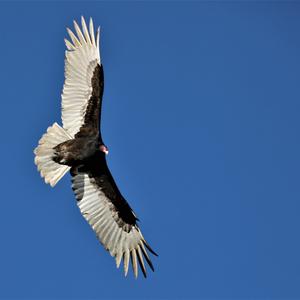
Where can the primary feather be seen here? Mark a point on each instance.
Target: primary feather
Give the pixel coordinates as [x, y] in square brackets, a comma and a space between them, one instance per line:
[82, 56]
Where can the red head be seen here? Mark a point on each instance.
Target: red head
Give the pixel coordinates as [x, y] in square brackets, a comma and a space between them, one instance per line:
[104, 149]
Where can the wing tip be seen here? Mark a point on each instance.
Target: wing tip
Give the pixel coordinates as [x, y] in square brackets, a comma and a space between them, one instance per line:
[149, 248]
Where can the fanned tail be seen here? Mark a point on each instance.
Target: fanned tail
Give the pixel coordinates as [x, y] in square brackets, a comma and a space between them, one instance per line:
[51, 171]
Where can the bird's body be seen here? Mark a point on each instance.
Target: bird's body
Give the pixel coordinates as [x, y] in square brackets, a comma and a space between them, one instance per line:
[78, 147]
[78, 150]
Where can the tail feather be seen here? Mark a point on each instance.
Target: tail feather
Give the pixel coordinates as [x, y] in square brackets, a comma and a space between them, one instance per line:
[50, 170]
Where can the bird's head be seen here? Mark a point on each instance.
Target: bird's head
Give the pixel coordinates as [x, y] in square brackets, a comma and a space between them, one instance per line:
[104, 149]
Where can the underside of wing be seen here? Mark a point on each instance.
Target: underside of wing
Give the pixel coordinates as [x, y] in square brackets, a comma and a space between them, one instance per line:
[81, 60]
[122, 239]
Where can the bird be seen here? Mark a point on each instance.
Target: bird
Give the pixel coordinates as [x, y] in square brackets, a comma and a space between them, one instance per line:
[78, 147]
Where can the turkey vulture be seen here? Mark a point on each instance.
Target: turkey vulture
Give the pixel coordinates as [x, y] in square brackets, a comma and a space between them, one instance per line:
[78, 147]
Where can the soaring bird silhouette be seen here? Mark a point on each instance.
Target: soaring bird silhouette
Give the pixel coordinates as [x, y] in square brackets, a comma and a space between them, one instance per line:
[78, 147]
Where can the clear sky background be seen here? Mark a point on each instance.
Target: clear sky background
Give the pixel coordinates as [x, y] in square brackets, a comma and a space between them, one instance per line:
[201, 116]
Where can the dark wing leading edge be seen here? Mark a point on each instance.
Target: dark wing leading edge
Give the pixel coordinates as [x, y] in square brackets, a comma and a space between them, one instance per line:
[83, 87]
[109, 215]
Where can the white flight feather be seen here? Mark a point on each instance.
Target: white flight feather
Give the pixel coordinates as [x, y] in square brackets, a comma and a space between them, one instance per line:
[82, 56]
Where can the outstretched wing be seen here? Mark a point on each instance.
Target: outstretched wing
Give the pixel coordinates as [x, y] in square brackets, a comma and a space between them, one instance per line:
[83, 87]
[110, 216]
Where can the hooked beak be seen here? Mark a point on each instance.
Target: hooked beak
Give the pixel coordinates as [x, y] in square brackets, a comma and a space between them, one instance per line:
[104, 149]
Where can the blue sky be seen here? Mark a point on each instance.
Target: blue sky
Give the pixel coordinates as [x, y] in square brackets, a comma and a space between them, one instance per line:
[201, 116]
